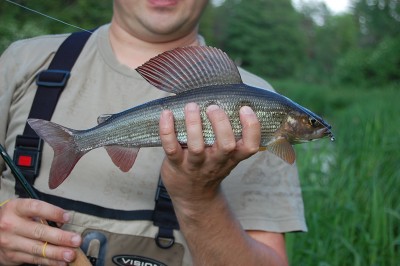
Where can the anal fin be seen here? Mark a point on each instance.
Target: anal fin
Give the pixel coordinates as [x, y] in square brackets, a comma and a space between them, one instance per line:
[123, 157]
[283, 149]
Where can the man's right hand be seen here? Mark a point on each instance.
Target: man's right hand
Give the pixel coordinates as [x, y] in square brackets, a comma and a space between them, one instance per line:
[25, 237]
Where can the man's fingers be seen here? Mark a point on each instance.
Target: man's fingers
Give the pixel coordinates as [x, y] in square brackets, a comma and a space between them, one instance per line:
[194, 129]
[251, 132]
[53, 252]
[49, 251]
[39, 230]
[35, 260]
[225, 148]
[37, 208]
[28, 249]
[224, 138]
[43, 232]
[169, 142]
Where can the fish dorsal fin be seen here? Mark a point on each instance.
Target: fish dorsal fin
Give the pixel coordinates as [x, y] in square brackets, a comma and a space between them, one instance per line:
[283, 149]
[191, 67]
[103, 118]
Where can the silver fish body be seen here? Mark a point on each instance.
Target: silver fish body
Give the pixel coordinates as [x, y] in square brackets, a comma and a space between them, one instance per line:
[138, 127]
[283, 122]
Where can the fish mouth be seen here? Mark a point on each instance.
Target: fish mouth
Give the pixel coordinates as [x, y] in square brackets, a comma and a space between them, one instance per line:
[326, 132]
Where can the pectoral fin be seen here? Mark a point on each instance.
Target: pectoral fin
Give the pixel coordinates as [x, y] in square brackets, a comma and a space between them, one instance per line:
[283, 149]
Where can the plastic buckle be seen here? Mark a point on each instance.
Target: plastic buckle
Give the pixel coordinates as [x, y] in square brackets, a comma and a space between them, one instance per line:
[52, 78]
[27, 154]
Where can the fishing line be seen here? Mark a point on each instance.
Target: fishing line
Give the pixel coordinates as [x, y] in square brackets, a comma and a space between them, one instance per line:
[47, 16]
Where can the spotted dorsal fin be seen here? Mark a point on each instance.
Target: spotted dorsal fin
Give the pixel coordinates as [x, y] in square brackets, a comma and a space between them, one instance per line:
[191, 67]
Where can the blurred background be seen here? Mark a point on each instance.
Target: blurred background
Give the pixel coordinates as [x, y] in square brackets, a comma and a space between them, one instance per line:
[342, 64]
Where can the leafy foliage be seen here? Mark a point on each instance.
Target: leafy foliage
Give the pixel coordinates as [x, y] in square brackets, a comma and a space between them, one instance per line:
[376, 58]
[371, 66]
[17, 22]
[262, 27]
[267, 37]
[377, 19]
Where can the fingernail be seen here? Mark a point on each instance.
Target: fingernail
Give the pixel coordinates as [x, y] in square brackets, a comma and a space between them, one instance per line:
[76, 240]
[212, 107]
[66, 216]
[166, 118]
[246, 110]
[68, 256]
[191, 107]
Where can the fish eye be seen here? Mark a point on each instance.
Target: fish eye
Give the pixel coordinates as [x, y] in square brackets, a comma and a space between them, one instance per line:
[313, 121]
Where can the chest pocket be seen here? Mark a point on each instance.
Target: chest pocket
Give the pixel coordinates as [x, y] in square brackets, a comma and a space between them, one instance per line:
[105, 249]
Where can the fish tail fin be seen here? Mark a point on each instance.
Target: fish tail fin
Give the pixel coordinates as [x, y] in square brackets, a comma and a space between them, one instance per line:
[66, 153]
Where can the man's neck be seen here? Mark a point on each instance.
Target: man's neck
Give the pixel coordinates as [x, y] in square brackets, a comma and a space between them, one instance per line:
[134, 52]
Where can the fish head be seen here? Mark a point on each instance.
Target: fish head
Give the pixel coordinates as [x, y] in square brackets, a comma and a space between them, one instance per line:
[305, 126]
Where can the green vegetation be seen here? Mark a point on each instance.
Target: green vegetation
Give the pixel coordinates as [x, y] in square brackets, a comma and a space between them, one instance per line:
[18, 23]
[350, 186]
[344, 67]
[274, 40]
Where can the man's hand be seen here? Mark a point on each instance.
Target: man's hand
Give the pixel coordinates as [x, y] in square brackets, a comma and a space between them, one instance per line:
[195, 173]
[24, 234]
[193, 176]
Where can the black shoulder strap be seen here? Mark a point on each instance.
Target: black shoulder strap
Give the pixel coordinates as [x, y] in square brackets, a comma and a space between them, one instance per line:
[51, 82]
[164, 217]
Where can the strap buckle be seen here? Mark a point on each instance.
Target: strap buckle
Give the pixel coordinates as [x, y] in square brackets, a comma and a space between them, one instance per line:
[164, 218]
[27, 155]
[52, 78]
[165, 238]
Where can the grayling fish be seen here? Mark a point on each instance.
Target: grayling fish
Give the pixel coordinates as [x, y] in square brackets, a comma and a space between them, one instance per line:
[203, 75]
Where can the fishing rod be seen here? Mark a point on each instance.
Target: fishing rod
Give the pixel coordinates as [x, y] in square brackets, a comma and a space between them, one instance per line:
[17, 174]
[81, 259]
[47, 16]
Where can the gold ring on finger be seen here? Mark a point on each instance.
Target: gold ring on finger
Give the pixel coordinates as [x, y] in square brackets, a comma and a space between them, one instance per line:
[44, 249]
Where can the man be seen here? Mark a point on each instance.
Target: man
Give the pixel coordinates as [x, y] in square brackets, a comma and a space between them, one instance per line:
[240, 222]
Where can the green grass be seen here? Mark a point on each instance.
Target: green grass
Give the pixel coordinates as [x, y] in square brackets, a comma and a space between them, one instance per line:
[351, 187]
